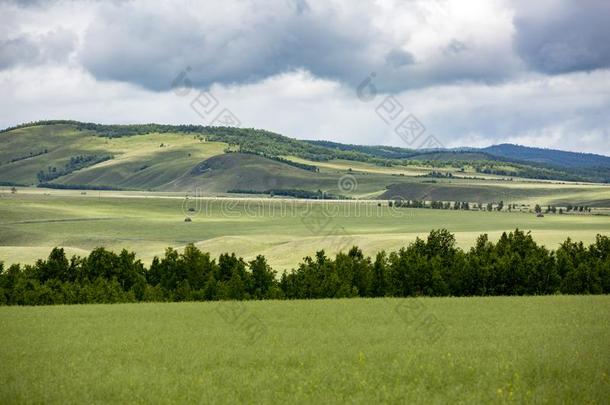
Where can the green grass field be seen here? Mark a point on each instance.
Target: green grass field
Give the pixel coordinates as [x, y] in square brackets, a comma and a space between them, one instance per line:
[428, 350]
[33, 221]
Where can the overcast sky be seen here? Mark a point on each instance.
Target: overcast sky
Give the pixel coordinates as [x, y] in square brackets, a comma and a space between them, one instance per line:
[474, 73]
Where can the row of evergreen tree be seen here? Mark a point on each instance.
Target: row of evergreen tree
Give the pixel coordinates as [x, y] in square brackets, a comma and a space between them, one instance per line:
[435, 266]
[464, 205]
[438, 205]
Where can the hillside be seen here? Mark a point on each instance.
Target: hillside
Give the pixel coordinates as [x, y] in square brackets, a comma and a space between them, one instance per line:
[221, 160]
[504, 160]
[557, 158]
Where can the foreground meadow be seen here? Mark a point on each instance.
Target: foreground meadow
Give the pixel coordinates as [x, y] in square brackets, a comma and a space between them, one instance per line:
[433, 350]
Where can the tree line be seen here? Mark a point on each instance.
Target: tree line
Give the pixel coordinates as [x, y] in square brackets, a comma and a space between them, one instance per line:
[280, 159]
[492, 206]
[296, 193]
[75, 163]
[28, 156]
[434, 266]
[448, 205]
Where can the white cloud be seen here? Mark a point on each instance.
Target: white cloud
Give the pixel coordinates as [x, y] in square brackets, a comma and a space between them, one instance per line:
[293, 66]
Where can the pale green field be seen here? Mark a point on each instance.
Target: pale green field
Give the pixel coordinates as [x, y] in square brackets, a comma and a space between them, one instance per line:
[34, 220]
[410, 170]
[550, 349]
[462, 187]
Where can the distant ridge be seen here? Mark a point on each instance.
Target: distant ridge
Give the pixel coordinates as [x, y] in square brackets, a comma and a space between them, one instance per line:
[25, 158]
[554, 157]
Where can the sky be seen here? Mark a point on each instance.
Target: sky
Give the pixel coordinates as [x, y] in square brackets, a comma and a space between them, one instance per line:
[464, 73]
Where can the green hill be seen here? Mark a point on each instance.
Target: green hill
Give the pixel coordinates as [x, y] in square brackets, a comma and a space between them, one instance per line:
[217, 160]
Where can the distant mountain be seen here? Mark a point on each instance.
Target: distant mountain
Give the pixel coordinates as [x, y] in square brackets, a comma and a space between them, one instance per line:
[551, 157]
[505, 151]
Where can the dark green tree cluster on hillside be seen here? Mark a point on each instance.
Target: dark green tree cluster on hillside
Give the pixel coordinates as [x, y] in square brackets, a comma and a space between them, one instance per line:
[75, 163]
[515, 265]
[297, 193]
[541, 172]
[577, 208]
[438, 174]
[299, 165]
[437, 205]
[60, 186]
[28, 156]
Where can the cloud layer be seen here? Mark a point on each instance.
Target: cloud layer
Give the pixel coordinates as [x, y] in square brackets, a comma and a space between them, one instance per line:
[407, 44]
[570, 36]
[476, 72]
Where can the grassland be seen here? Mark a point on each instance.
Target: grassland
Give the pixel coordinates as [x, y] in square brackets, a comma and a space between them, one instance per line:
[32, 221]
[160, 168]
[432, 350]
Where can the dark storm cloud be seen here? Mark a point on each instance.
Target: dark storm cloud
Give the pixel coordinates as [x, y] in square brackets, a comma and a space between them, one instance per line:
[148, 47]
[54, 46]
[22, 3]
[455, 47]
[36, 3]
[571, 36]
[151, 48]
[398, 58]
[15, 50]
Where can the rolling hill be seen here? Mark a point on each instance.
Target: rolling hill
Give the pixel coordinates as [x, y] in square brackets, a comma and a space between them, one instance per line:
[220, 160]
